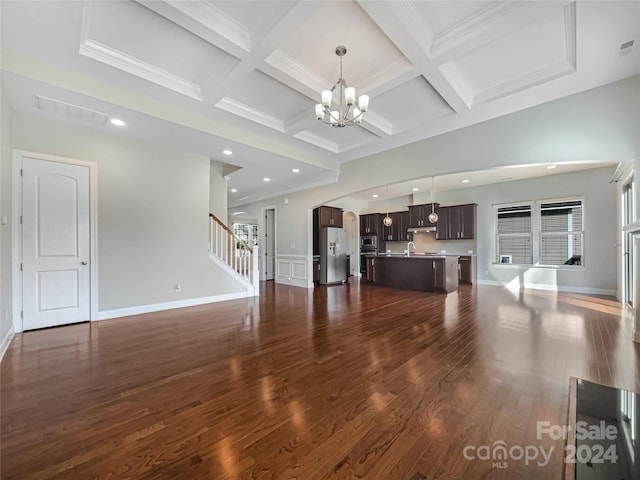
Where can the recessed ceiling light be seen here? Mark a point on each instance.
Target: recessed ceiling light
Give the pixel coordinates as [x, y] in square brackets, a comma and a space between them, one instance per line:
[266, 179]
[234, 190]
[296, 170]
[551, 167]
[375, 195]
[415, 189]
[227, 152]
[465, 181]
[117, 122]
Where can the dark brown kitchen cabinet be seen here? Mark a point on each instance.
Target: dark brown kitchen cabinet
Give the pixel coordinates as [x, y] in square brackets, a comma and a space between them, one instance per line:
[467, 266]
[316, 270]
[370, 224]
[330, 217]
[397, 231]
[456, 222]
[324, 217]
[442, 226]
[419, 215]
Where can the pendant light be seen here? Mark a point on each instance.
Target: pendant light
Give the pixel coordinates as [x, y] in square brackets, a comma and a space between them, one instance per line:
[433, 216]
[387, 221]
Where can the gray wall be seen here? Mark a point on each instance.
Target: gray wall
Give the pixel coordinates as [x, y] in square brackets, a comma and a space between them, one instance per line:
[153, 208]
[5, 210]
[218, 192]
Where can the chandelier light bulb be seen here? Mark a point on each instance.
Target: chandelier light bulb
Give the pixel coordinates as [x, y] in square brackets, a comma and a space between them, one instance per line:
[333, 118]
[363, 102]
[350, 95]
[319, 111]
[433, 217]
[388, 221]
[326, 98]
[357, 115]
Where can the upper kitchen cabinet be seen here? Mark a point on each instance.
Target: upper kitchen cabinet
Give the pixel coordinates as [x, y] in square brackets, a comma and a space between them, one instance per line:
[397, 231]
[419, 215]
[457, 222]
[370, 224]
[330, 217]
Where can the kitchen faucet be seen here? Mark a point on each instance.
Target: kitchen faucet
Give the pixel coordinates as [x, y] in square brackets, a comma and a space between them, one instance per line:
[408, 250]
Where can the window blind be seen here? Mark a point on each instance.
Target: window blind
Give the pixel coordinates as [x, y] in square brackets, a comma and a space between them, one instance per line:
[514, 234]
[561, 233]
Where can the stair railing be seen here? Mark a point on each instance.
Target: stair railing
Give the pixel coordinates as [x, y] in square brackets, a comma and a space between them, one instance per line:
[239, 256]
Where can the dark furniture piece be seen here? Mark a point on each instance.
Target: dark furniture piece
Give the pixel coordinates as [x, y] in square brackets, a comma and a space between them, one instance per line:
[467, 269]
[370, 223]
[330, 217]
[422, 273]
[316, 269]
[457, 222]
[419, 215]
[397, 232]
[324, 216]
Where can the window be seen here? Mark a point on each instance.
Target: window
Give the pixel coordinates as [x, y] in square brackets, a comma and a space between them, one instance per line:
[246, 232]
[514, 234]
[561, 233]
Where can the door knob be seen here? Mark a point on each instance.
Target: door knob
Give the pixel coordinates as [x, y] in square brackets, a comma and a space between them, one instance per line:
[84, 262]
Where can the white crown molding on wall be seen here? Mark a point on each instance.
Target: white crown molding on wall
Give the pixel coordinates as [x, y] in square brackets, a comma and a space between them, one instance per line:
[232, 106]
[214, 20]
[318, 141]
[102, 53]
[294, 69]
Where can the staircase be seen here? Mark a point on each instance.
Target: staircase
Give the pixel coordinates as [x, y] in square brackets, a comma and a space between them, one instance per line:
[241, 260]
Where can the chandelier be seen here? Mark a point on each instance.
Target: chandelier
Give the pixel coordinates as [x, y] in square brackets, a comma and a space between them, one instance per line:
[345, 115]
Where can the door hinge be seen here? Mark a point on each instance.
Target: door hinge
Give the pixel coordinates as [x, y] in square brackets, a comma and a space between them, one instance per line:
[20, 267]
[20, 219]
[21, 314]
[21, 172]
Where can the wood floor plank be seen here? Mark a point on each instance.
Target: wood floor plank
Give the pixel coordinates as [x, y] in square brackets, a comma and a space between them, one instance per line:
[351, 381]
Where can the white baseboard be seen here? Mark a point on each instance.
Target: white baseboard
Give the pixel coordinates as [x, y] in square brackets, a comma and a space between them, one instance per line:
[190, 302]
[5, 342]
[553, 288]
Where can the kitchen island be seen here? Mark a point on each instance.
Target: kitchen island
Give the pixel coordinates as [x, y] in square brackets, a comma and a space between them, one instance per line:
[425, 273]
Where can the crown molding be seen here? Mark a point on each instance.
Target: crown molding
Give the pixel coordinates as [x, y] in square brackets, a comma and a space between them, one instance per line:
[240, 109]
[291, 67]
[318, 141]
[214, 20]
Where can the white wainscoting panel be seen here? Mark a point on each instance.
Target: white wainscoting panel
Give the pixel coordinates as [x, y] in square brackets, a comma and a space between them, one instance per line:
[293, 270]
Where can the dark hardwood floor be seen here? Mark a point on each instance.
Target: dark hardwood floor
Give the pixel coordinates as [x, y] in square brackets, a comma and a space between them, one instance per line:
[348, 381]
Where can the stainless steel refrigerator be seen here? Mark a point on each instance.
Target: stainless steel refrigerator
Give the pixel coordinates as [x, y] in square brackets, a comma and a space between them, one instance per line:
[333, 255]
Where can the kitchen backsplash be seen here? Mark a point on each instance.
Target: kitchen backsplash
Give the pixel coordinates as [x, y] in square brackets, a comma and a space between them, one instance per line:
[426, 242]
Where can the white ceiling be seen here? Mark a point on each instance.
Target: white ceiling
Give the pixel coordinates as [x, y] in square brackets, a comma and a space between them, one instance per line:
[204, 76]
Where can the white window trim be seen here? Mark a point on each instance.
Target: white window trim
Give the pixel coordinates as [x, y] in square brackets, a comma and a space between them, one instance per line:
[536, 234]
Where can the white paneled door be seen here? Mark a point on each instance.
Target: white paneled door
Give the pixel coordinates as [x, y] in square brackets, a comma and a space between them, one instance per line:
[56, 278]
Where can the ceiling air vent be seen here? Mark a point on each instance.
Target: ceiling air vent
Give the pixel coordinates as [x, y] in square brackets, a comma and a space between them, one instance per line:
[64, 109]
[626, 47]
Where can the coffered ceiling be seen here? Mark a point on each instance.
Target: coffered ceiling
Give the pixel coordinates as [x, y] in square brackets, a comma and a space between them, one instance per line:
[204, 76]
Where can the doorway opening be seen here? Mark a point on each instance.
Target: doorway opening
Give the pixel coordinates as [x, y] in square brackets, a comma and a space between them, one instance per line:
[269, 243]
